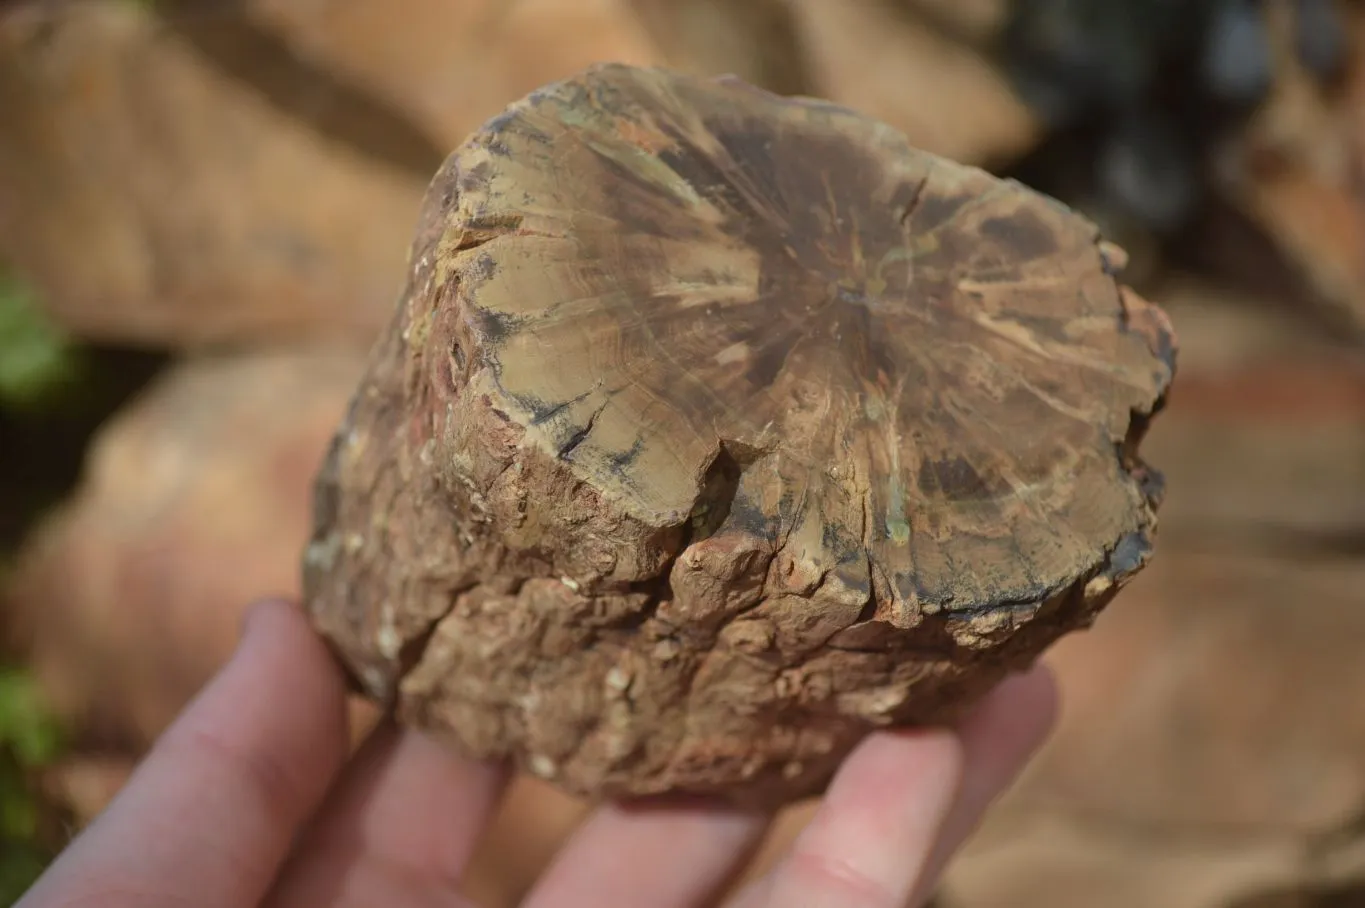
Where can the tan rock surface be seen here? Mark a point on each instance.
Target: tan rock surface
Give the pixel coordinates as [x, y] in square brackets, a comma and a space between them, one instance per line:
[1206, 694]
[449, 65]
[153, 198]
[757, 40]
[944, 95]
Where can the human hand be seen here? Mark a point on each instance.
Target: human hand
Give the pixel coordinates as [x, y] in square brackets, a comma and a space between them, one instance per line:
[249, 799]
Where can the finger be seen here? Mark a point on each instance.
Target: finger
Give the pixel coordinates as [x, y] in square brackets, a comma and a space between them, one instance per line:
[209, 816]
[870, 838]
[404, 820]
[998, 739]
[662, 854]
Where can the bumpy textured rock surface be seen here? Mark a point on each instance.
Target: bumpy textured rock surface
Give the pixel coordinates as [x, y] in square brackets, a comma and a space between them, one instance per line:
[716, 429]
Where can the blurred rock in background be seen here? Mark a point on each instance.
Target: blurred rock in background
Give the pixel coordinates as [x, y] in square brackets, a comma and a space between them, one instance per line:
[195, 501]
[942, 93]
[1296, 171]
[157, 199]
[211, 202]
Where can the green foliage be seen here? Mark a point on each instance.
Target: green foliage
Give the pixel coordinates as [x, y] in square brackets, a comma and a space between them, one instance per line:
[36, 361]
[26, 730]
[29, 740]
[20, 866]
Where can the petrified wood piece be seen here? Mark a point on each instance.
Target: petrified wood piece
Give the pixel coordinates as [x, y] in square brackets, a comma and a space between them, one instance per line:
[716, 429]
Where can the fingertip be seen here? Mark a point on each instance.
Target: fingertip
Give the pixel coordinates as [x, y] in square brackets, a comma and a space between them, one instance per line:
[258, 616]
[1022, 708]
[874, 832]
[998, 738]
[1038, 683]
[1045, 695]
[281, 626]
[885, 754]
[264, 613]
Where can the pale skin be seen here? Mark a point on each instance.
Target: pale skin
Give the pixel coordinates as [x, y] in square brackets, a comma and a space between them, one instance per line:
[253, 798]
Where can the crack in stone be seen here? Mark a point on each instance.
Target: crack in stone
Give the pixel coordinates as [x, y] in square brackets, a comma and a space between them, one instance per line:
[579, 436]
[477, 233]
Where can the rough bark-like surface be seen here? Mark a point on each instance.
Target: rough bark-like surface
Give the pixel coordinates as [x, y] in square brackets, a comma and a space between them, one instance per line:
[717, 429]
